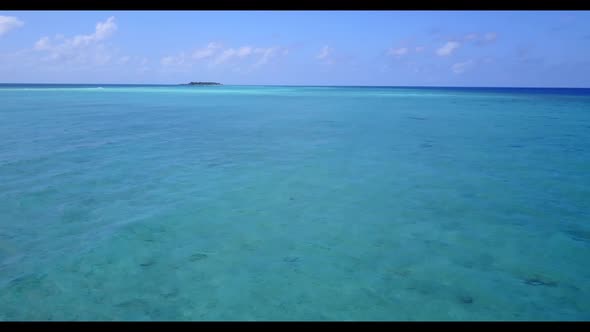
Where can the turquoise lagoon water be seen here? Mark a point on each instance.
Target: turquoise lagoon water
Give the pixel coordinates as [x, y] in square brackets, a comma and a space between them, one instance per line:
[294, 203]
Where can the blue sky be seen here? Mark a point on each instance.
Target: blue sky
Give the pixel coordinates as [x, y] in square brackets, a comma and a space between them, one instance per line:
[424, 48]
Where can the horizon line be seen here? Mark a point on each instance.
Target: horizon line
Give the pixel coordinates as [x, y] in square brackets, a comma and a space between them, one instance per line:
[314, 85]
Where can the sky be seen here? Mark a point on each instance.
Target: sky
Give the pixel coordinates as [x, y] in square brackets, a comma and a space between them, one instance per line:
[374, 48]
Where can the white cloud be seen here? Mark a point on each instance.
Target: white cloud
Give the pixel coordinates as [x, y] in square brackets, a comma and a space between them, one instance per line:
[219, 55]
[128, 60]
[448, 48]
[326, 55]
[244, 51]
[143, 65]
[123, 60]
[80, 48]
[43, 44]
[207, 51]
[325, 52]
[105, 29]
[8, 23]
[398, 51]
[225, 56]
[167, 60]
[77, 53]
[461, 67]
[267, 54]
[490, 36]
[247, 51]
[174, 60]
[102, 31]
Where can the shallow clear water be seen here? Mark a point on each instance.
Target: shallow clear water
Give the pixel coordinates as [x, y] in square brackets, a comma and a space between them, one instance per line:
[293, 203]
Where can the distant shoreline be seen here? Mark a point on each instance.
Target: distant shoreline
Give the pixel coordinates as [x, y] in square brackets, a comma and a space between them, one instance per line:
[298, 85]
[203, 83]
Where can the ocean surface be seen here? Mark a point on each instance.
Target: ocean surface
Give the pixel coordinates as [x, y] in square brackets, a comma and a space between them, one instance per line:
[294, 203]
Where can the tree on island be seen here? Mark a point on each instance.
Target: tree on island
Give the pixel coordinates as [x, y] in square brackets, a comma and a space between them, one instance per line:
[204, 83]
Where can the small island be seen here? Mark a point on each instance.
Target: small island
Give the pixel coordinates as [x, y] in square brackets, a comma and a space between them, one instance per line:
[204, 83]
